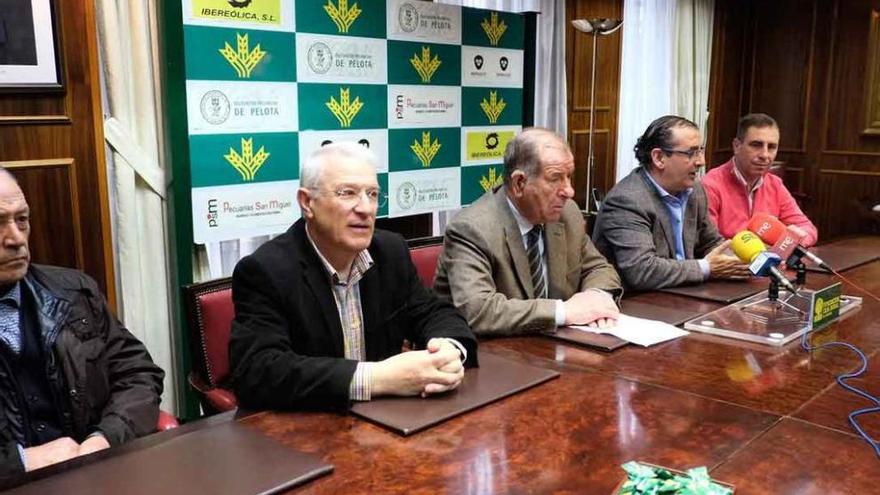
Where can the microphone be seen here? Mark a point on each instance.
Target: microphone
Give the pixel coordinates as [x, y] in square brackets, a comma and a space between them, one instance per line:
[784, 242]
[748, 247]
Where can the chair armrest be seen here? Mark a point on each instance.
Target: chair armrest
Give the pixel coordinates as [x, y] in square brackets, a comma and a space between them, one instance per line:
[166, 421]
[221, 399]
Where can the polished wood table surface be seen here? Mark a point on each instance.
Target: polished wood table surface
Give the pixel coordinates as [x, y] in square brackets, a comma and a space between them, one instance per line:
[768, 420]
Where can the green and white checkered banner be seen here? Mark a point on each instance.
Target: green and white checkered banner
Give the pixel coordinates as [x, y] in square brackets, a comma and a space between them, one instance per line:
[436, 91]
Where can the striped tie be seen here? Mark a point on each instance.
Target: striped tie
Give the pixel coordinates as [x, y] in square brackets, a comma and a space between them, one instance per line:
[536, 263]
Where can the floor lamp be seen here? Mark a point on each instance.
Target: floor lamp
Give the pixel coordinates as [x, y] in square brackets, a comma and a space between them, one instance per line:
[594, 27]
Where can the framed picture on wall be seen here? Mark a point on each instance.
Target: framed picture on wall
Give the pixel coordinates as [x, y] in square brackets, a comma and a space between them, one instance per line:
[29, 46]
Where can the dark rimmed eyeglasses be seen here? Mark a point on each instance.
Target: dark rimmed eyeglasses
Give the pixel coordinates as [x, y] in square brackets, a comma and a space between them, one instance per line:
[690, 154]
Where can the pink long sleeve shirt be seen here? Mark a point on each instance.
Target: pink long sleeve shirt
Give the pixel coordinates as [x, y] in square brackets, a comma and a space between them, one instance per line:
[731, 204]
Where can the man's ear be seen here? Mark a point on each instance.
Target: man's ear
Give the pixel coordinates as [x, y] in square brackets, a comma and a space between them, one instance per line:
[304, 198]
[736, 144]
[657, 158]
[517, 182]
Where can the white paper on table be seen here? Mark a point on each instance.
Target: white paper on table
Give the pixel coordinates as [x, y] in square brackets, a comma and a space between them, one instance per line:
[641, 331]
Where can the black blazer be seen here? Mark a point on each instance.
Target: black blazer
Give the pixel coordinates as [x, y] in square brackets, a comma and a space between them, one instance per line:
[286, 347]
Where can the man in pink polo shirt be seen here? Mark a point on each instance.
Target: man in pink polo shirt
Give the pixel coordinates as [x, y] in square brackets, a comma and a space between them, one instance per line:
[740, 188]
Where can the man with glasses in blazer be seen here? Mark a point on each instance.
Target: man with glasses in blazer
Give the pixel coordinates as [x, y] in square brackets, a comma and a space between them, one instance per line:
[654, 225]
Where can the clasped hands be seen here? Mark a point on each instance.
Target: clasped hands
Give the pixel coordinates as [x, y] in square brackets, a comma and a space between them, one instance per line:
[436, 369]
[60, 450]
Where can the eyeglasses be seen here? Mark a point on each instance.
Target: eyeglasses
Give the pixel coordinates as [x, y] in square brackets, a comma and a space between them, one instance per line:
[350, 196]
[690, 154]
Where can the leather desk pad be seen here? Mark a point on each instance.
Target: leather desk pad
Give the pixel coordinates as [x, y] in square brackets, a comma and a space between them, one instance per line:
[842, 257]
[226, 459]
[496, 378]
[724, 291]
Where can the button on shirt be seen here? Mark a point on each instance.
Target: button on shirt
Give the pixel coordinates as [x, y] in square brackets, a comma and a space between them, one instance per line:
[10, 328]
[676, 205]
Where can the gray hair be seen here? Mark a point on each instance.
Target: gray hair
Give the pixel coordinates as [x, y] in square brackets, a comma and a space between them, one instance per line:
[310, 171]
[523, 152]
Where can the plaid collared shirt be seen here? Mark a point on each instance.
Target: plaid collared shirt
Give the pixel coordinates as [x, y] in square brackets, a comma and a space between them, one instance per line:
[347, 295]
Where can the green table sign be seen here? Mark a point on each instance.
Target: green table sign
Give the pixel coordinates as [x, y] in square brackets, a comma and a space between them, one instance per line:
[826, 305]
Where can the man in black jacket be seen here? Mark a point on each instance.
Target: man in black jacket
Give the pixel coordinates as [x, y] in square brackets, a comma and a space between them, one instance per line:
[72, 379]
[322, 311]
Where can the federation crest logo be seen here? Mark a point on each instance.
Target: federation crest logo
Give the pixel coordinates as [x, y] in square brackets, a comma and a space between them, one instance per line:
[320, 58]
[503, 62]
[426, 150]
[344, 110]
[247, 163]
[493, 28]
[239, 4]
[478, 62]
[342, 15]
[214, 107]
[408, 17]
[494, 107]
[406, 195]
[243, 60]
[490, 182]
[425, 66]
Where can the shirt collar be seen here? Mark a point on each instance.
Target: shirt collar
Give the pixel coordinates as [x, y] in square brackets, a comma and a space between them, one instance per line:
[12, 295]
[524, 225]
[742, 180]
[664, 193]
[362, 262]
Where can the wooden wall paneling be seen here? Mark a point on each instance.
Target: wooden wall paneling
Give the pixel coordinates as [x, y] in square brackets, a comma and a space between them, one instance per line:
[808, 67]
[57, 139]
[578, 70]
[781, 55]
[51, 189]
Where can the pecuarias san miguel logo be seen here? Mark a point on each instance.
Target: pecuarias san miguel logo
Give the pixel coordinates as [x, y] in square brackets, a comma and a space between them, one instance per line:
[408, 18]
[345, 110]
[493, 180]
[214, 107]
[426, 150]
[247, 163]
[425, 66]
[493, 28]
[320, 58]
[342, 15]
[243, 59]
[493, 107]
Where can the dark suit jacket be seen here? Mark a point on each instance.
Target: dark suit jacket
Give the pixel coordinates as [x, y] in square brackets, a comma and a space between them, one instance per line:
[634, 232]
[484, 269]
[286, 347]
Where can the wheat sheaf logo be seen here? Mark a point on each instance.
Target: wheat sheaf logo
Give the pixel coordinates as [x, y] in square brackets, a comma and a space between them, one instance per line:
[493, 180]
[345, 110]
[494, 107]
[244, 59]
[494, 29]
[343, 15]
[247, 163]
[425, 66]
[426, 150]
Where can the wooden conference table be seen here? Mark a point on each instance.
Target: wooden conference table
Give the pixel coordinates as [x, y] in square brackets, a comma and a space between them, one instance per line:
[768, 420]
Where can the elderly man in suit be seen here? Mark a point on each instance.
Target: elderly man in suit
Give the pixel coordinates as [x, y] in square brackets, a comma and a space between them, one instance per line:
[518, 259]
[322, 311]
[654, 225]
